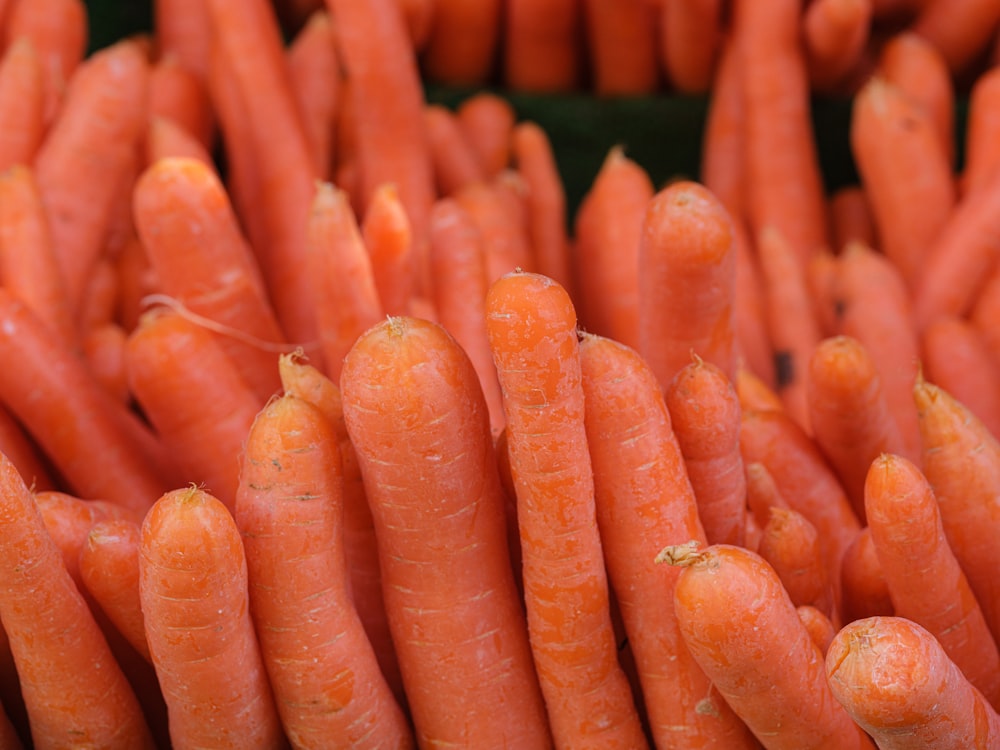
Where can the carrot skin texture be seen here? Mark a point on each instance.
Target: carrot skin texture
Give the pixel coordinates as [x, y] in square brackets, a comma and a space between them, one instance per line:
[21, 104]
[532, 328]
[899, 685]
[86, 698]
[193, 589]
[452, 600]
[733, 612]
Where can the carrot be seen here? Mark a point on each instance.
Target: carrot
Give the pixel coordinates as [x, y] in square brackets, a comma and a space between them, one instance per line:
[909, 538]
[705, 411]
[762, 492]
[874, 307]
[792, 324]
[387, 109]
[196, 399]
[313, 72]
[851, 218]
[849, 414]
[455, 162]
[960, 462]
[959, 30]
[735, 617]
[754, 393]
[643, 499]
[193, 583]
[983, 124]
[28, 265]
[781, 164]
[532, 328]
[956, 358]
[387, 235]
[834, 33]
[821, 282]
[184, 32]
[342, 276]
[290, 512]
[460, 286]
[917, 68]
[464, 609]
[22, 451]
[166, 139]
[76, 694]
[905, 173]
[620, 41]
[542, 46]
[418, 16]
[179, 95]
[500, 215]
[109, 570]
[985, 311]
[487, 120]
[22, 104]
[820, 629]
[687, 271]
[545, 198]
[690, 39]
[607, 230]
[865, 589]
[899, 685]
[790, 545]
[91, 143]
[723, 160]
[463, 42]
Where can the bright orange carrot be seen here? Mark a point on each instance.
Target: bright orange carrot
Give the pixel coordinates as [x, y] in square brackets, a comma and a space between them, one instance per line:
[851, 218]
[74, 694]
[735, 617]
[166, 139]
[754, 393]
[960, 29]
[388, 237]
[982, 157]
[455, 162]
[821, 630]
[643, 499]
[905, 173]
[22, 104]
[899, 685]
[691, 36]
[834, 34]
[500, 215]
[91, 143]
[621, 47]
[464, 608]
[193, 589]
[753, 344]
[290, 512]
[463, 43]
[488, 121]
[790, 545]
[314, 73]
[179, 95]
[909, 540]
[865, 589]
[705, 412]
[22, 451]
[723, 161]
[542, 49]
[687, 273]
[183, 31]
[532, 330]
[762, 492]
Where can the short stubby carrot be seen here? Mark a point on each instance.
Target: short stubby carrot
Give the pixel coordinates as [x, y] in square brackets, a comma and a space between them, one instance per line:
[532, 329]
[687, 281]
[195, 603]
[743, 630]
[437, 504]
[896, 681]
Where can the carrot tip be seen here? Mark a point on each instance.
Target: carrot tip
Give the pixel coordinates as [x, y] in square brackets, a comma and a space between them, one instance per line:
[681, 555]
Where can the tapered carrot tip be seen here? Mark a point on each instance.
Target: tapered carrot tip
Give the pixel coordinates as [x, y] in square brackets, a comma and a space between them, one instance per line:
[681, 555]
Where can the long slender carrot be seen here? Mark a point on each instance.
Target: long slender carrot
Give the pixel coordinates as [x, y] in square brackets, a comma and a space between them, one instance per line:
[896, 681]
[982, 157]
[723, 159]
[501, 218]
[488, 121]
[179, 95]
[790, 545]
[687, 273]
[183, 31]
[621, 47]
[961, 30]
[542, 49]
[438, 509]
[691, 36]
[388, 237]
[834, 34]
[193, 589]
[73, 695]
[705, 412]
[455, 161]
[290, 510]
[314, 73]
[644, 499]
[22, 104]
[735, 617]
[463, 43]
[532, 328]
[91, 143]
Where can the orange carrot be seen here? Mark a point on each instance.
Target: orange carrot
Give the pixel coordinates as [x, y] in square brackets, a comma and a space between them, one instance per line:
[687, 272]
[905, 173]
[501, 218]
[754, 393]
[960, 29]
[532, 329]
[387, 235]
[183, 31]
[835, 33]
[621, 47]
[488, 121]
[22, 104]
[790, 545]
[463, 43]
[851, 218]
[899, 685]
[909, 539]
[542, 50]
[313, 74]
[179, 95]
[865, 589]
[166, 139]
[705, 411]
[982, 157]
[762, 492]
[193, 589]
[22, 451]
[91, 143]
[75, 694]
[464, 608]
[820, 629]
[455, 162]
[735, 617]
[723, 161]
[103, 347]
[196, 399]
[290, 512]
[643, 499]
[690, 40]
[607, 231]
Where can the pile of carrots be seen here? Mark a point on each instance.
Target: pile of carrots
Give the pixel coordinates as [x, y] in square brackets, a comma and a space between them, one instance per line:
[323, 423]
